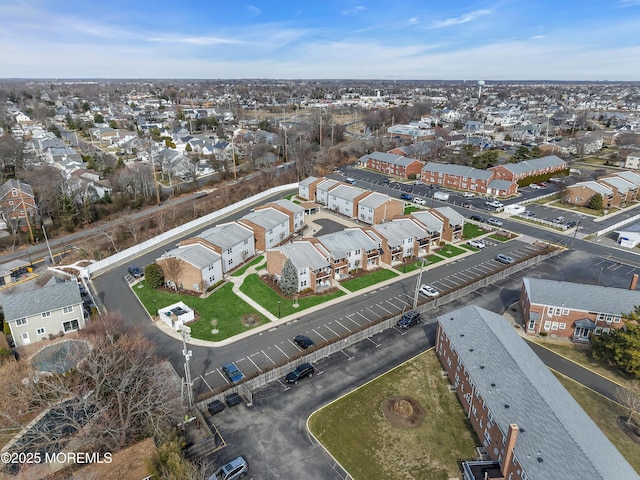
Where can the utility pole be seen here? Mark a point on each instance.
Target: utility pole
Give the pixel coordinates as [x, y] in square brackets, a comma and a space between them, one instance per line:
[26, 213]
[185, 331]
[418, 282]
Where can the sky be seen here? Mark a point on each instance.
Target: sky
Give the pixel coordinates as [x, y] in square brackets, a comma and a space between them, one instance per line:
[589, 40]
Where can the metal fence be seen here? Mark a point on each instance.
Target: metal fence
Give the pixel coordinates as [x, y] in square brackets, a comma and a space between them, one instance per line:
[182, 230]
[246, 388]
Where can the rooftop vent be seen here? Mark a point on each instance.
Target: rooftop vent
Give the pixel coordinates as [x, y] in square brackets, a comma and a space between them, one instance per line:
[506, 405]
[493, 384]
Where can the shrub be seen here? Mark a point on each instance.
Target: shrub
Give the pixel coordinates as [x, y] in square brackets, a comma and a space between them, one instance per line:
[543, 334]
[154, 276]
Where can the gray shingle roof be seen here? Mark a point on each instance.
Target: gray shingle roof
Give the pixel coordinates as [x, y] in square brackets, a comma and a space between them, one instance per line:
[290, 206]
[396, 231]
[433, 223]
[457, 170]
[45, 299]
[373, 200]
[303, 255]
[308, 181]
[388, 158]
[556, 429]
[195, 254]
[620, 183]
[346, 192]
[454, 217]
[535, 164]
[267, 218]
[578, 296]
[348, 240]
[591, 185]
[630, 177]
[226, 235]
[499, 184]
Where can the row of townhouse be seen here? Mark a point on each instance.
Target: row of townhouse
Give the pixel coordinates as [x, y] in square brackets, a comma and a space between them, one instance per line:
[501, 180]
[617, 190]
[529, 425]
[369, 207]
[390, 164]
[321, 260]
[573, 310]
[202, 261]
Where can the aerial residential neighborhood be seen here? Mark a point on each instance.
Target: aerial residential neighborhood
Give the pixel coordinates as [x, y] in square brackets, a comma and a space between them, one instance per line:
[332, 241]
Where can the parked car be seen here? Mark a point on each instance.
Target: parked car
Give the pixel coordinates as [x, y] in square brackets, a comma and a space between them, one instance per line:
[542, 185]
[408, 319]
[502, 258]
[558, 220]
[571, 224]
[236, 468]
[406, 196]
[495, 221]
[303, 341]
[232, 372]
[301, 371]
[494, 204]
[468, 195]
[420, 201]
[528, 213]
[466, 205]
[429, 291]
[135, 271]
[351, 181]
[535, 186]
[477, 242]
[477, 218]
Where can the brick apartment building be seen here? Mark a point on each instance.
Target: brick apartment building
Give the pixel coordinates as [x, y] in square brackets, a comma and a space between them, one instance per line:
[390, 164]
[574, 310]
[529, 168]
[529, 425]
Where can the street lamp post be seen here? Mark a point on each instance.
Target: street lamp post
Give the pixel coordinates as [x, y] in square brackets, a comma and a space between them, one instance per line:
[278, 308]
[155, 308]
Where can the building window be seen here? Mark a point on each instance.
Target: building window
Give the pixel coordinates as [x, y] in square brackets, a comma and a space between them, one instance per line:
[532, 324]
[40, 331]
[46, 314]
[21, 321]
[547, 325]
[565, 311]
[68, 309]
[71, 326]
[562, 326]
[558, 310]
[554, 326]
[246, 241]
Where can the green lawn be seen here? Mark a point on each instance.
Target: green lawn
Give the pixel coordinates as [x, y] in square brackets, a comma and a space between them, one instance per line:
[240, 271]
[471, 230]
[411, 209]
[450, 251]
[498, 238]
[356, 432]
[222, 305]
[604, 413]
[263, 294]
[434, 258]
[369, 279]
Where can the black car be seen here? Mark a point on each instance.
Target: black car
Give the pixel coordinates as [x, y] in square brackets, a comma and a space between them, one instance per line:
[409, 319]
[406, 196]
[303, 341]
[571, 224]
[477, 218]
[301, 371]
[135, 271]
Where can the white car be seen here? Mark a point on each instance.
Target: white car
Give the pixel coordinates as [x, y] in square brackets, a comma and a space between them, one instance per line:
[478, 243]
[468, 195]
[419, 201]
[494, 204]
[429, 291]
[495, 221]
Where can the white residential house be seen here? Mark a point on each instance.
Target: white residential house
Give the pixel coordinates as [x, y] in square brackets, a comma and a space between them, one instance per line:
[310, 259]
[34, 314]
[343, 199]
[350, 249]
[304, 188]
[270, 227]
[632, 162]
[200, 267]
[322, 190]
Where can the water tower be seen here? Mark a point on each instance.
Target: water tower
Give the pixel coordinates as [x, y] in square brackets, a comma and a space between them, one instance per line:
[480, 84]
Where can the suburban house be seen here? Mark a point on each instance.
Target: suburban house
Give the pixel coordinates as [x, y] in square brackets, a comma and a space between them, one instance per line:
[401, 239]
[630, 177]
[193, 267]
[529, 168]
[452, 223]
[350, 249]
[322, 190]
[307, 188]
[390, 164]
[270, 227]
[234, 242]
[309, 258]
[623, 189]
[33, 315]
[573, 310]
[378, 208]
[433, 225]
[580, 194]
[632, 162]
[294, 211]
[456, 176]
[529, 425]
[343, 199]
[17, 201]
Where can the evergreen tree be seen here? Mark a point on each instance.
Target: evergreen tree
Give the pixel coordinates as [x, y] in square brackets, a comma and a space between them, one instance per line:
[153, 275]
[289, 279]
[596, 202]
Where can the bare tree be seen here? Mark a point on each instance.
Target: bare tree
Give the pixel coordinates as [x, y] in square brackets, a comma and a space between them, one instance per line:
[172, 269]
[630, 398]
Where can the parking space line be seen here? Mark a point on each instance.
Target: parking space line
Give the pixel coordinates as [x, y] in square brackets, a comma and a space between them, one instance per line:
[380, 306]
[263, 352]
[254, 363]
[206, 383]
[376, 314]
[351, 319]
[466, 274]
[224, 377]
[403, 301]
[319, 334]
[396, 307]
[331, 330]
[347, 329]
[285, 355]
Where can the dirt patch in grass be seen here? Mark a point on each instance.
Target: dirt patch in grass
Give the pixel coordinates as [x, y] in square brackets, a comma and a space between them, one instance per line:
[403, 412]
[630, 429]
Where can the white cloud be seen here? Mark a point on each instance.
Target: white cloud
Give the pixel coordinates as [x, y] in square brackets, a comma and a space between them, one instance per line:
[630, 3]
[354, 11]
[467, 17]
[193, 40]
[254, 10]
[538, 37]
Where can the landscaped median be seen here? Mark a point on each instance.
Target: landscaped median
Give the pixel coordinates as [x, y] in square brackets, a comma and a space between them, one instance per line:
[403, 425]
[369, 279]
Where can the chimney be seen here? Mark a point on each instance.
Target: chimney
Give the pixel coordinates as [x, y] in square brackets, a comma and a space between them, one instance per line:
[512, 436]
[634, 282]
